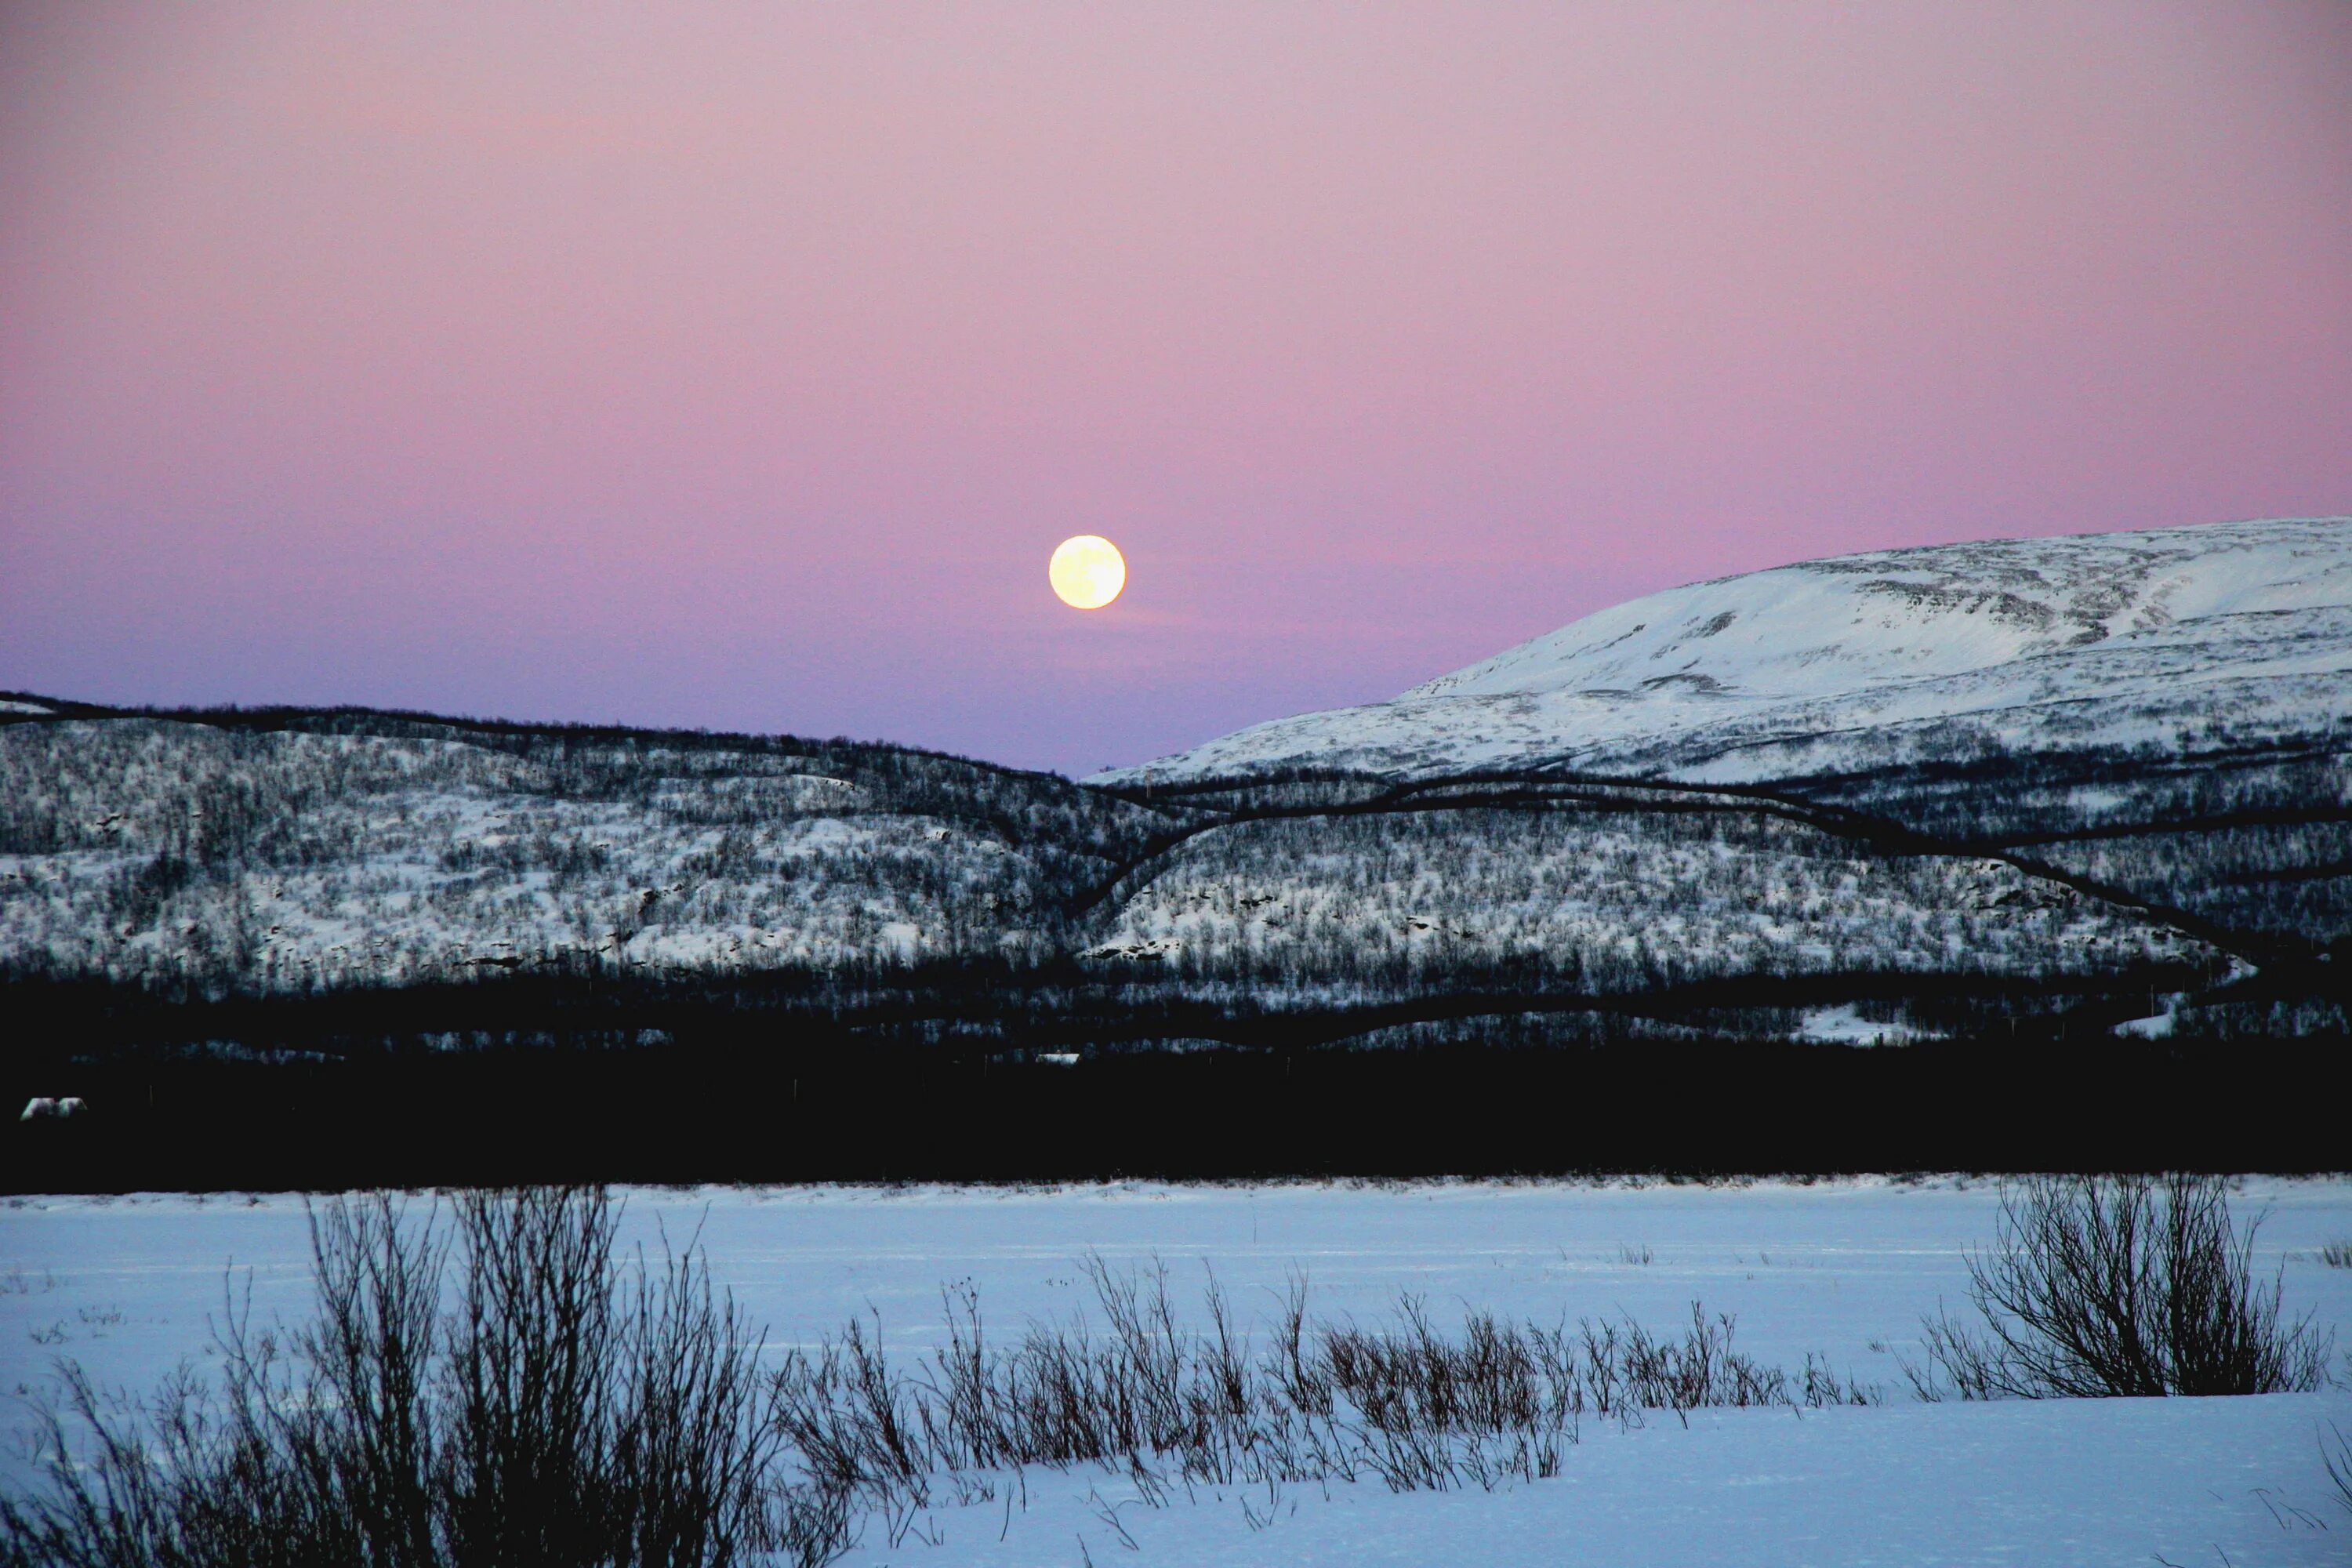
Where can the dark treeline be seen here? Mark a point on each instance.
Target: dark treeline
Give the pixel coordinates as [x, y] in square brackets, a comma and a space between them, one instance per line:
[813, 1110]
[1017, 1010]
[652, 1084]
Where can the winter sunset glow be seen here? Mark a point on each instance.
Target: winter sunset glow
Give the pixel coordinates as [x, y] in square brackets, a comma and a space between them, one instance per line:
[635, 363]
[1664, 874]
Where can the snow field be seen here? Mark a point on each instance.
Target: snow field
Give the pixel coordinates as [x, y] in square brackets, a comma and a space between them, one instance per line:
[1843, 1268]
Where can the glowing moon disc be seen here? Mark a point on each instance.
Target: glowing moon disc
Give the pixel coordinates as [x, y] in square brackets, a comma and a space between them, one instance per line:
[1088, 572]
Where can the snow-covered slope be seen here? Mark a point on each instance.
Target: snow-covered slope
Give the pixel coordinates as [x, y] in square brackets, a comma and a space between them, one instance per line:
[387, 851]
[146, 850]
[2158, 781]
[2226, 631]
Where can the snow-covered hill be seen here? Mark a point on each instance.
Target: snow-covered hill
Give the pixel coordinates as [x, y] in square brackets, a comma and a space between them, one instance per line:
[2169, 638]
[1944, 785]
[146, 850]
[320, 851]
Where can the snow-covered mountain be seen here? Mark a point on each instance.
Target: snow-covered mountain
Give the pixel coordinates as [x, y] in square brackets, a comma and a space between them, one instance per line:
[1952, 788]
[2186, 636]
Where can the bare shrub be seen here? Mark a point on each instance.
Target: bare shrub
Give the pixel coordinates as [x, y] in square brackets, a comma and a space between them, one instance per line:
[2337, 1456]
[497, 1392]
[2337, 1254]
[2119, 1286]
[555, 1411]
[1410, 1401]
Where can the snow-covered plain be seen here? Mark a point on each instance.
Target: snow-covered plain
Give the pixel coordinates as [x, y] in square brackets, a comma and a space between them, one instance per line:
[1844, 1268]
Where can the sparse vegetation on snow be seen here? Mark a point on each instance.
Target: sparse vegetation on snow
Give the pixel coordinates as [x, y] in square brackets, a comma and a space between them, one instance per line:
[500, 1378]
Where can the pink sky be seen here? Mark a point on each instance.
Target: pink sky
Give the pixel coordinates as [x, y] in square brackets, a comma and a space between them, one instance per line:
[741, 365]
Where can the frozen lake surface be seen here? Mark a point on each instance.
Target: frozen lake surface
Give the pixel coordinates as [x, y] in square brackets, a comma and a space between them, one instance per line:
[1841, 1269]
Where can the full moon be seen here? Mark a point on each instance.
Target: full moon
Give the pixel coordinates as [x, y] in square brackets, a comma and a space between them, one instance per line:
[1088, 572]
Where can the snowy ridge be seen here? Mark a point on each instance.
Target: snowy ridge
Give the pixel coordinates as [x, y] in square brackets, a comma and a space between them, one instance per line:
[2221, 632]
[2154, 783]
[143, 848]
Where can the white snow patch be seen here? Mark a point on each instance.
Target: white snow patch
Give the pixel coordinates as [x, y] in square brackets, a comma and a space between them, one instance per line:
[2158, 1025]
[1844, 1025]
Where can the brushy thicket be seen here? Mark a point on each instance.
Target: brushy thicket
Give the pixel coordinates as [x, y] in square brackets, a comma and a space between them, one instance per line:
[1410, 1404]
[2123, 1286]
[552, 1410]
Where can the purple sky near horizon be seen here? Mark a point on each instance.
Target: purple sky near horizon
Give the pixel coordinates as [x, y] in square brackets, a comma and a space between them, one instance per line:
[741, 365]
